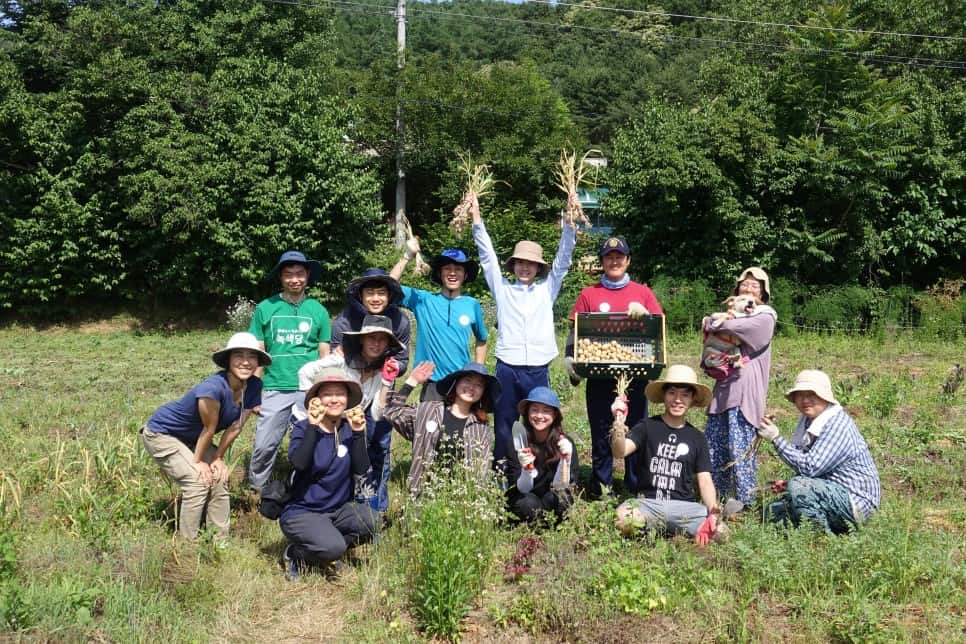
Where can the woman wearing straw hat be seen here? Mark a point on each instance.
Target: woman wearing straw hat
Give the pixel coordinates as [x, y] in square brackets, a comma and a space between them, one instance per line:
[526, 341]
[541, 472]
[368, 357]
[321, 520]
[738, 400]
[454, 430]
[674, 468]
[836, 484]
[179, 435]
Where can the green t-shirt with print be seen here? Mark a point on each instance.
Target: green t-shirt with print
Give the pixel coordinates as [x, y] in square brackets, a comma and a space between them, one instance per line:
[291, 333]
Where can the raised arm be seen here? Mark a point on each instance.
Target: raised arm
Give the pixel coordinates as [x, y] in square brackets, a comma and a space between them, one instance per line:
[561, 263]
[489, 262]
[412, 248]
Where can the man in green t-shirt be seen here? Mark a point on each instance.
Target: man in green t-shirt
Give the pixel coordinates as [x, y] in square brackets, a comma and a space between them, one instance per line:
[293, 329]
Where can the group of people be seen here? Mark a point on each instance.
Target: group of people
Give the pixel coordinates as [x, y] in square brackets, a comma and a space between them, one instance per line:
[332, 384]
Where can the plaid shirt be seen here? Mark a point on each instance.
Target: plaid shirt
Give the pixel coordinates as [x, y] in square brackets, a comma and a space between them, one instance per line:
[838, 454]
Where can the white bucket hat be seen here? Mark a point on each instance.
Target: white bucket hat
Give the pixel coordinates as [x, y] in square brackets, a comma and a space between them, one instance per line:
[759, 274]
[242, 340]
[679, 374]
[815, 381]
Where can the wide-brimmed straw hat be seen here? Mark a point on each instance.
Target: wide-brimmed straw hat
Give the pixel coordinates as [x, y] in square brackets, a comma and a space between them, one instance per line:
[543, 395]
[531, 252]
[683, 375]
[815, 381]
[453, 256]
[352, 340]
[759, 274]
[376, 277]
[490, 395]
[295, 257]
[339, 376]
[243, 340]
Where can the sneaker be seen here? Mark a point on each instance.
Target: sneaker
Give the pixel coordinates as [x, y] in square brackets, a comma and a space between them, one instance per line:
[292, 566]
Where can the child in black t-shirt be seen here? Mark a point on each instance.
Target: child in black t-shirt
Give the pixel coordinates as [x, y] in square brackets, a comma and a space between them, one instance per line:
[674, 468]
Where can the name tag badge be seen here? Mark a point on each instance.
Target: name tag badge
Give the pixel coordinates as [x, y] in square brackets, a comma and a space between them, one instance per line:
[431, 427]
[341, 451]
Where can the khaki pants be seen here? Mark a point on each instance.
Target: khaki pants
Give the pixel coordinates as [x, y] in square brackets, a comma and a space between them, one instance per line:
[177, 461]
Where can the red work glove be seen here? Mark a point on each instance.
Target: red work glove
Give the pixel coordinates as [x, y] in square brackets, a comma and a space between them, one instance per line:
[706, 531]
[390, 369]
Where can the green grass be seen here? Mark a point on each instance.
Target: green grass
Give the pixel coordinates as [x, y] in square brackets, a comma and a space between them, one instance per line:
[87, 549]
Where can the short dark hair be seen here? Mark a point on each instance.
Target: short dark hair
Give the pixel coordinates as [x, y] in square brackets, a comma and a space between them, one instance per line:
[668, 385]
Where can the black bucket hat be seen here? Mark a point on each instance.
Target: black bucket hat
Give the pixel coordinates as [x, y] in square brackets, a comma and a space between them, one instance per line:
[376, 276]
[490, 395]
[295, 257]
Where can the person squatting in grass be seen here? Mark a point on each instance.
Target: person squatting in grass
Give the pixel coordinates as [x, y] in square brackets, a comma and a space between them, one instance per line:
[375, 292]
[179, 435]
[449, 431]
[836, 483]
[614, 293]
[368, 357]
[526, 343]
[321, 519]
[738, 400]
[674, 463]
[446, 320]
[541, 476]
[293, 329]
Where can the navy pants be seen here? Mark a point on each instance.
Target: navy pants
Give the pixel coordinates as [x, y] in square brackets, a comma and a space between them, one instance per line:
[515, 383]
[600, 396]
[320, 538]
[376, 488]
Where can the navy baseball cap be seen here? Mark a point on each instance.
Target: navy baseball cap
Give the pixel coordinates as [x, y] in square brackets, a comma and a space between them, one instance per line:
[615, 243]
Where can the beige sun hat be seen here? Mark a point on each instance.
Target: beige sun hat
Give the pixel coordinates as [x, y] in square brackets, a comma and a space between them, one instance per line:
[759, 274]
[679, 374]
[815, 381]
[241, 340]
[338, 376]
[530, 251]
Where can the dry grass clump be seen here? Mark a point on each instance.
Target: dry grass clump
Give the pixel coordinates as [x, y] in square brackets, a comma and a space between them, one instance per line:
[571, 173]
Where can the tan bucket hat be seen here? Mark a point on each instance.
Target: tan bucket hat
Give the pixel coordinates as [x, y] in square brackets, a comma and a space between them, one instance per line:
[759, 274]
[530, 251]
[339, 376]
[813, 380]
[679, 374]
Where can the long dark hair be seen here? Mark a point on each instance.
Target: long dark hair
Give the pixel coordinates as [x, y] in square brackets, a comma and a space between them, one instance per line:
[547, 450]
[478, 409]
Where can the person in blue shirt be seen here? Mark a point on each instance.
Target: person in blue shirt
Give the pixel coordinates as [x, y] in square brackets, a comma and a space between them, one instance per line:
[445, 321]
[179, 435]
[836, 484]
[327, 449]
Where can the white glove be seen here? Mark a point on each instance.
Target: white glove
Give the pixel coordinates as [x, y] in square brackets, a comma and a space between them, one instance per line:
[571, 372]
[636, 310]
[619, 407]
[412, 247]
[768, 430]
[565, 447]
[526, 457]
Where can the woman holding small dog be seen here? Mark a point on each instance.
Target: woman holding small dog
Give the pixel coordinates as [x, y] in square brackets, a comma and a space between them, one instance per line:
[738, 399]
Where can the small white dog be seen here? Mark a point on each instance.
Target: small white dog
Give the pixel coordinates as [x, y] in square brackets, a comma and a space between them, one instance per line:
[721, 353]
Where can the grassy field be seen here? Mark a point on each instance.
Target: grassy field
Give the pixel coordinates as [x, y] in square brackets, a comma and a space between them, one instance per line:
[87, 549]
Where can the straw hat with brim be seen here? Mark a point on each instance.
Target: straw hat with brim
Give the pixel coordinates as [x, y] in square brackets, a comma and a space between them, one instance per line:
[490, 395]
[243, 340]
[683, 376]
[530, 251]
[372, 324]
[453, 256]
[337, 376]
[294, 257]
[815, 381]
[760, 275]
[542, 395]
[376, 277]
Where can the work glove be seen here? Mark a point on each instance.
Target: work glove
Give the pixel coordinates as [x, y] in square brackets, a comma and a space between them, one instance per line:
[636, 310]
[619, 407]
[768, 430]
[706, 531]
[526, 458]
[390, 369]
[574, 376]
[412, 247]
[565, 447]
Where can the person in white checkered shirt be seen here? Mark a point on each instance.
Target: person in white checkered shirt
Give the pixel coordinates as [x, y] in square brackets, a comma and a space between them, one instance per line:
[836, 483]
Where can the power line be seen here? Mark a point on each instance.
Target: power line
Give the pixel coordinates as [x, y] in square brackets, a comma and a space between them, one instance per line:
[665, 14]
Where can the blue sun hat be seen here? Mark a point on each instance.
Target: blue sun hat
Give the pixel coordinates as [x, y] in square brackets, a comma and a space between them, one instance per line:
[295, 257]
[453, 256]
[543, 395]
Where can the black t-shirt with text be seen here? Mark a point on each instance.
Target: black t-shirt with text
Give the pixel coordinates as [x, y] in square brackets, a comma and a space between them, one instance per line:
[669, 459]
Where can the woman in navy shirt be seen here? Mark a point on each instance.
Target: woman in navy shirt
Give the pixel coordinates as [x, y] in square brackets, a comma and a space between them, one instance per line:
[322, 520]
[179, 435]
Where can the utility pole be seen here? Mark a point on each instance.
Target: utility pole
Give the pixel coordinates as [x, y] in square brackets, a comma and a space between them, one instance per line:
[400, 218]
